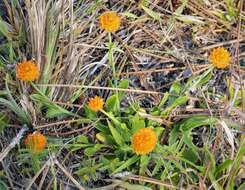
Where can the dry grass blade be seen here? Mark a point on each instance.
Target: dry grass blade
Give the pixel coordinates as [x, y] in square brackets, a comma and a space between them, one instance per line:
[150, 180]
[230, 137]
[68, 175]
[45, 166]
[101, 88]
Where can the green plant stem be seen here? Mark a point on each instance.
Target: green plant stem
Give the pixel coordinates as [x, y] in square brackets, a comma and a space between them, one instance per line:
[35, 162]
[111, 60]
[111, 117]
[236, 164]
[112, 64]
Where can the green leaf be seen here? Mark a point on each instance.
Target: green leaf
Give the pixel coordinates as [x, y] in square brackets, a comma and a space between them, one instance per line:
[3, 185]
[164, 99]
[212, 168]
[11, 52]
[159, 131]
[181, 8]
[173, 136]
[105, 138]
[57, 111]
[81, 139]
[177, 102]
[231, 8]
[175, 88]
[90, 151]
[190, 155]
[130, 15]
[198, 81]
[144, 160]
[89, 113]
[223, 166]
[74, 147]
[197, 121]
[103, 128]
[3, 121]
[110, 164]
[127, 163]
[54, 110]
[187, 138]
[124, 85]
[4, 28]
[214, 182]
[13, 106]
[23, 116]
[115, 134]
[199, 168]
[151, 13]
[124, 131]
[157, 167]
[88, 169]
[111, 117]
[111, 103]
[236, 163]
[189, 19]
[35, 162]
[137, 123]
[184, 128]
[84, 120]
[101, 137]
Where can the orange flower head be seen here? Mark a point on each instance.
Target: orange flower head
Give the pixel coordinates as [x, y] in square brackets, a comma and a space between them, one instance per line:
[144, 141]
[27, 71]
[110, 21]
[36, 142]
[96, 103]
[220, 57]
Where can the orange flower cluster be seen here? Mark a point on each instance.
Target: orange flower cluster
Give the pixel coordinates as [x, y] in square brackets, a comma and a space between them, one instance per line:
[36, 142]
[27, 71]
[110, 21]
[96, 103]
[220, 58]
[144, 141]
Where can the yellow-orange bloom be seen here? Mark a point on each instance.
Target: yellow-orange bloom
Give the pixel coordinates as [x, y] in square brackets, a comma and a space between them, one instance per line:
[220, 57]
[110, 21]
[144, 141]
[27, 71]
[36, 142]
[96, 103]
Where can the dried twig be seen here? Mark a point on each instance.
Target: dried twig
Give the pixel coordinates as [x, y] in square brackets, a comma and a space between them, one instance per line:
[46, 165]
[14, 142]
